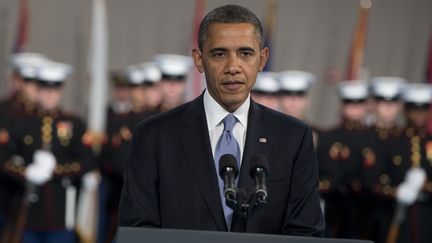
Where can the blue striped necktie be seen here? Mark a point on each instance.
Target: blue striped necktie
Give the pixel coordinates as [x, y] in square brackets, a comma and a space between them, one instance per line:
[227, 144]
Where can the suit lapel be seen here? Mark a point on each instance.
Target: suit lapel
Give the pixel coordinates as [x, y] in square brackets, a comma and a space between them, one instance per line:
[195, 142]
[258, 141]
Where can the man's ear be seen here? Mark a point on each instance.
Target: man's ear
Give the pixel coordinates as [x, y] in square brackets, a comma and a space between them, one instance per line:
[197, 57]
[264, 53]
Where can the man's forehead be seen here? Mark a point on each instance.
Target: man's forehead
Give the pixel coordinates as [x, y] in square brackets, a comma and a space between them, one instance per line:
[220, 32]
[232, 28]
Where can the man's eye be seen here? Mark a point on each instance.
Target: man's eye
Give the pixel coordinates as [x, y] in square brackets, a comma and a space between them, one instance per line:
[246, 53]
[218, 54]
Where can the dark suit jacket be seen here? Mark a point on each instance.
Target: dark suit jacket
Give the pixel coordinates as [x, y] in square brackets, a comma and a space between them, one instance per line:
[171, 181]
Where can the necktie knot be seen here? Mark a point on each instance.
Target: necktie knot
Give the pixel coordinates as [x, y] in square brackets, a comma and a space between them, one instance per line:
[229, 121]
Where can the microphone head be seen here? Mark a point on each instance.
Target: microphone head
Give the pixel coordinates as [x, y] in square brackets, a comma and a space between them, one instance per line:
[258, 161]
[227, 162]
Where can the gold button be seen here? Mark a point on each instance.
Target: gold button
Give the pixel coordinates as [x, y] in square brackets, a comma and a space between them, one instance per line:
[47, 119]
[397, 160]
[415, 139]
[28, 139]
[64, 142]
[46, 129]
[384, 179]
[75, 166]
[59, 169]
[415, 157]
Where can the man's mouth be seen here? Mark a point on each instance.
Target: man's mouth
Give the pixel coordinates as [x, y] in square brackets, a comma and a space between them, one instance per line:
[233, 84]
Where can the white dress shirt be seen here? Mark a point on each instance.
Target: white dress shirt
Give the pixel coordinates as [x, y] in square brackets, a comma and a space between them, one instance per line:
[215, 113]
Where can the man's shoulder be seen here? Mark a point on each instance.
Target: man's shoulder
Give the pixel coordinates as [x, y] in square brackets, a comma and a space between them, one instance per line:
[279, 119]
[167, 118]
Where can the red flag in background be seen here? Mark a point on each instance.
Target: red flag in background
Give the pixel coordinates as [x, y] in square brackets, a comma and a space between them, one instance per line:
[196, 81]
[269, 25]
[428, 76]
[356, 58]
[21, 39]
[22, 34]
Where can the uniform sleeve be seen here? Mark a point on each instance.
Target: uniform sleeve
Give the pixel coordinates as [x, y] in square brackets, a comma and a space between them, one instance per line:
[11, 165]
[303, 214]
[139, 202]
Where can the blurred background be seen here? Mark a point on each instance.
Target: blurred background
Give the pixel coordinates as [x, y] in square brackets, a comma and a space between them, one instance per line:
[308, 35]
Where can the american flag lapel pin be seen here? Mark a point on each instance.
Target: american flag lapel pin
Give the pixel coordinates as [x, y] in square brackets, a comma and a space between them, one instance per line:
[263, 140]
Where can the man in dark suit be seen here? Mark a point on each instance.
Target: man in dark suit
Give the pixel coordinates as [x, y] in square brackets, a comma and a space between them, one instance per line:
[171, 179]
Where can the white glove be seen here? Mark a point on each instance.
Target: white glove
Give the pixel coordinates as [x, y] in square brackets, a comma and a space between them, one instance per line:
[91, 180]
[36, 175]
[45, 161]
[406, 193]
[416, 177]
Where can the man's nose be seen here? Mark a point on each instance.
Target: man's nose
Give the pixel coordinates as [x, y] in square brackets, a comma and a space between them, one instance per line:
[232, 66]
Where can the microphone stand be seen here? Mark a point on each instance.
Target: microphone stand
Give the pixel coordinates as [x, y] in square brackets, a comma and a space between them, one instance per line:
[244, 203]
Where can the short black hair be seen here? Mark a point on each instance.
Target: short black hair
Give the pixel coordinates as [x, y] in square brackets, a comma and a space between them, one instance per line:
[229, 14]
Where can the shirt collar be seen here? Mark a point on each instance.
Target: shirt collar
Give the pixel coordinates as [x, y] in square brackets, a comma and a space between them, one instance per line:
[215, 113]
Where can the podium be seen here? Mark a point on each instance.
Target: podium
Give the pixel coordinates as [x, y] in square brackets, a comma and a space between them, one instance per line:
[156, 235]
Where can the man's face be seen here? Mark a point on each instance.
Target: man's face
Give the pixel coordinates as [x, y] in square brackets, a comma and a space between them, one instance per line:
[231, 59]
[387, 111]
[154, 96]
[29, 90]
[138, 96]
[49, 97]
[121, 93]
[172, 91]
[417, 116]
[354, 111]
[294, 105]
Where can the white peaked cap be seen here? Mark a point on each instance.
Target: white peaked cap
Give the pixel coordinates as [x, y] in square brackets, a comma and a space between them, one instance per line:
[266, 82]
[387, 87]
[296, 80]
[353, 89]
[26, 58]
[135, 74]
[151, 72]
[418, 93]
[30, 70]
[27, 63]
[173, 65]
[53, 72]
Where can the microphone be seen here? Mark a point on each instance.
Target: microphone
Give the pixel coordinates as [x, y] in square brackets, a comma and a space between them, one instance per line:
[228, 171]
[258, 172]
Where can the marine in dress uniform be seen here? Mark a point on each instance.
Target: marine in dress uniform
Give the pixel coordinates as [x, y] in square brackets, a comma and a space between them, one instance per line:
[19, 104]
[46, 156]
[342, 154]
[266, 90]
[143, 80]
[387, 94]
[413, 150]
[174, 69]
